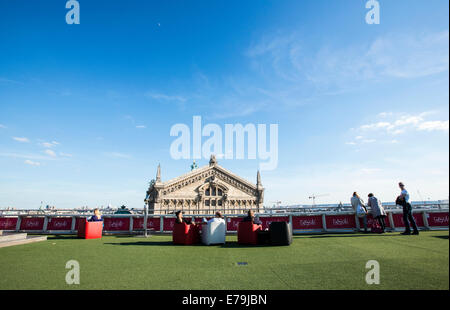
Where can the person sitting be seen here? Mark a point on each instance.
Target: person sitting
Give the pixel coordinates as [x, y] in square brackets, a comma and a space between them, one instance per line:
[251, 218]
[97, 217]
[180, 219]
[217, 218]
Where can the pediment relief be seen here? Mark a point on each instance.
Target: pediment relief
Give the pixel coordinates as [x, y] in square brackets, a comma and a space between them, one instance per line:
[218, 176]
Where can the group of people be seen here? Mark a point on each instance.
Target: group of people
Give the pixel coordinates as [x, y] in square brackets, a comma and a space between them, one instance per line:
[379, 214]
[180, 219]
[377, 211]
[217, 218]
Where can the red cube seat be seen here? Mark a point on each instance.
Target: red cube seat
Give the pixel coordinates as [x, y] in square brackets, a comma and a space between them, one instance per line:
[90, 230]
[248, 233]
[185, 234]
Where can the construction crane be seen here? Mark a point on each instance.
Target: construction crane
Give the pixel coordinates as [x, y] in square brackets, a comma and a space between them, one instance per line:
[313, 197]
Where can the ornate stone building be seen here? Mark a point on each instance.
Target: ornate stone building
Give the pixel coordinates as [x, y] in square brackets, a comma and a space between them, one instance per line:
[205, 190]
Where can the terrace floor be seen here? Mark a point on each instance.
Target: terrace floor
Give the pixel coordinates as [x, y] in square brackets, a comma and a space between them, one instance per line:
[331, 261]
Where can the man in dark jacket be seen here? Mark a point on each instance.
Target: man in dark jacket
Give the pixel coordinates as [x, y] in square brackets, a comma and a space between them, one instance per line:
[403, 200]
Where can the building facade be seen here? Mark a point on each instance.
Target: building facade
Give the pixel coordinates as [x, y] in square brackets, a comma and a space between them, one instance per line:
[205, 190]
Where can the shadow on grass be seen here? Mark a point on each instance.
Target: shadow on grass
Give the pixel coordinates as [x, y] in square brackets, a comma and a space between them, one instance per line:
[235, 244]
[348, 235]
[58, 237]
[145, 243]
[442, 237]
[229, 245]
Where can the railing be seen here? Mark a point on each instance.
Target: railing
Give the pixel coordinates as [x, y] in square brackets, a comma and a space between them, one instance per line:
[432, 205]
[312, 222]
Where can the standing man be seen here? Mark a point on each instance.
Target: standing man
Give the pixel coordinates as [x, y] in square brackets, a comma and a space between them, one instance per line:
[407, 211]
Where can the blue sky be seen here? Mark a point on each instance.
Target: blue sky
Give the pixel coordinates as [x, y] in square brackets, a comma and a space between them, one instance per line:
[86, 110]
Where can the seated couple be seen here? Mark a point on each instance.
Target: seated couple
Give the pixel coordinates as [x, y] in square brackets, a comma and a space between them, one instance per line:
[180, 219]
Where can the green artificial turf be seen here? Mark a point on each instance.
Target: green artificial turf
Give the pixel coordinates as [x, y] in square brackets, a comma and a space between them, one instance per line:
[312, 262]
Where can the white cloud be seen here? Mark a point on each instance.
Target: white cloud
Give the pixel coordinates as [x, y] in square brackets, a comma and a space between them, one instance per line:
[434, 125]
[141, 126]
[49, 144]
[21, 139]
[65, 155]
[118, 155]
[50, 153]
[164, 97]
[32, 163]
[2, 126]
[403, 123]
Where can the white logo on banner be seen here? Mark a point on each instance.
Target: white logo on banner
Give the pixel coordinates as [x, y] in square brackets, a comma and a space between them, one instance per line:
[373, 275]
[310, 222]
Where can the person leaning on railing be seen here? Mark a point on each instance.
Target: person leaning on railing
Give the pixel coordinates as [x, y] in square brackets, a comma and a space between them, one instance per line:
[359, 208]
[377, 210]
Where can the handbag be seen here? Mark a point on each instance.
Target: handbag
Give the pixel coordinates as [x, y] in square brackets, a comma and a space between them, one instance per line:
[360, 211]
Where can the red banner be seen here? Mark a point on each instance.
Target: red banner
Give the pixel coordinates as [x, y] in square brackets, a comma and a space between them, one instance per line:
[168, 224]
[153, 223]
[267, 220]
[32, 223]
[398, 219]
[438, 219]
[8, 223]
[370, 220]
[78, 220]
[307, 222]
[233, 222]
[340, 221]
[59, 223]
[116, 223]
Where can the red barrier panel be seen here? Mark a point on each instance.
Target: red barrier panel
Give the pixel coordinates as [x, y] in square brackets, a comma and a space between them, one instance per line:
[340, 221]
[8, 223]
[267, 220]
[78, 220]
[153, 223]
[59, 223]
[398, 219]
[370, 220]
[168, 224]
[307, 222]
[232, 223]
[438, 219]
[116, 223]
[32, 223]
